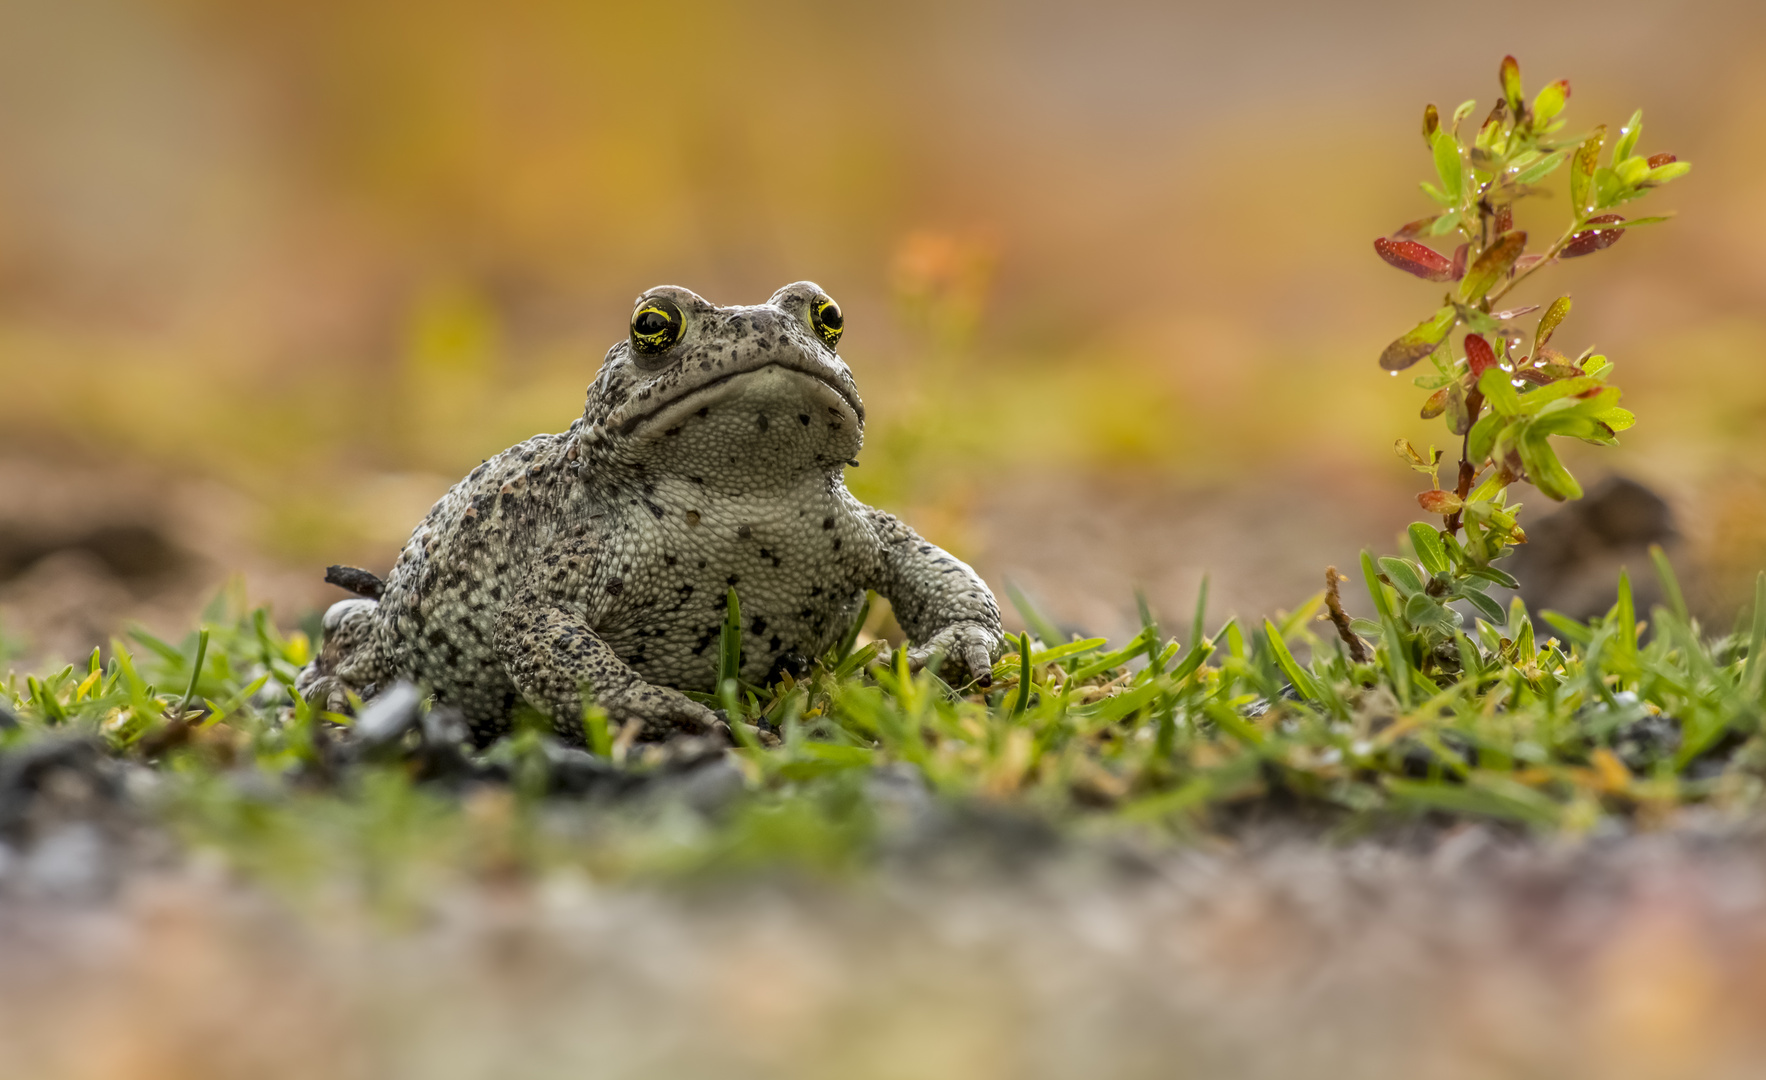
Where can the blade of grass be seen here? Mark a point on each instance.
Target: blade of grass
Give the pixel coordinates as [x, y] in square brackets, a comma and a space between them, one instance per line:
[1033, 619]
[1670, 583]
[195, 671]
[729, 646]
[1024, 670]
[1751, 671]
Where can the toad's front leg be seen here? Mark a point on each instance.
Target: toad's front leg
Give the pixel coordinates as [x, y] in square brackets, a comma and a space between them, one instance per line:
[942, 603]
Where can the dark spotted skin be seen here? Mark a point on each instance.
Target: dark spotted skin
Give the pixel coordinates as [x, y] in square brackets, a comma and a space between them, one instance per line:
[599, 559]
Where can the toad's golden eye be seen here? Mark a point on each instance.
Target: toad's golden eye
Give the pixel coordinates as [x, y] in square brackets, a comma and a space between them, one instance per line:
[825, 314]
[656, 325]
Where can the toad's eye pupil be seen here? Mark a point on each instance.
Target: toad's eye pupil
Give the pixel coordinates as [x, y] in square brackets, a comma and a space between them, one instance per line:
[656, 326]
[826, 318]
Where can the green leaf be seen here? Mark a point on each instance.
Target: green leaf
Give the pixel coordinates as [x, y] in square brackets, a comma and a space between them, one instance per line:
[1628, 134]
[1550, 101]
[1402, 574]
[1631, 171]
[1445, 224]
[1488, 610]
[1588, 407]
[1425, 610]
[1482, 438]
[1448, 165]
[1511, 85]
[1582, 171]
[1420, 341]
[1616, 418]
[1429, 551]
[1548, 322]
[1542, 168]
[1635, 222]
[1499, 392]
[1492, 574]
[1491, 266]
[1545, 470]
[1674, 170]
[1540, 396]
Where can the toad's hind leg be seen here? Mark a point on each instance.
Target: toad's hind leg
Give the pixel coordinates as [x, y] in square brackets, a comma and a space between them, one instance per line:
[555, 659]
[346, 660]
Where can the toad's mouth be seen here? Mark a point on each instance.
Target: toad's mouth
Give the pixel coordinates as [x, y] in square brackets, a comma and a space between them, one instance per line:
[689, 400]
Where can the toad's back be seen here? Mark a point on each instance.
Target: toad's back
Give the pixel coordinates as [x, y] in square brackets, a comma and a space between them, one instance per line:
[709, 456]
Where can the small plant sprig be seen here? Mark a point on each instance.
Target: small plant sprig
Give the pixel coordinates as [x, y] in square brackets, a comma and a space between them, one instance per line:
[1505, 402]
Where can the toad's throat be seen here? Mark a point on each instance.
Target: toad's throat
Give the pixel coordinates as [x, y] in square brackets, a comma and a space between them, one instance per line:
[712, 388]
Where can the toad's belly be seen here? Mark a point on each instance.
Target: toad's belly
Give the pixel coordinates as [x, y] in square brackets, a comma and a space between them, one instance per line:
[799, 577]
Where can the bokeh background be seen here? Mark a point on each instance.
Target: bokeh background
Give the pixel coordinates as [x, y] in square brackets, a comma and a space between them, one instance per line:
[273, 275]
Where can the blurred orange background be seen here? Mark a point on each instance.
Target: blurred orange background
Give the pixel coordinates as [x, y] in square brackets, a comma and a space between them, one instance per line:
[273, 275]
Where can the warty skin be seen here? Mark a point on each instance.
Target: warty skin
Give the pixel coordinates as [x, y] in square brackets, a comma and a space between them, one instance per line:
[711, 455]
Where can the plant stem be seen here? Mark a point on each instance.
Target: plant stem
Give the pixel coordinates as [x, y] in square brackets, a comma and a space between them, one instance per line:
[1550, 254]
[1467, 471]
[1334, 602]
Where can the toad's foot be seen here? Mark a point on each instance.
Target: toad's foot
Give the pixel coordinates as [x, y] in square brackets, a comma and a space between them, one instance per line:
[967, 647]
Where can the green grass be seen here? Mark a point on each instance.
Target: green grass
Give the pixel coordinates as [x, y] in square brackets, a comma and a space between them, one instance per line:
[1553, 725]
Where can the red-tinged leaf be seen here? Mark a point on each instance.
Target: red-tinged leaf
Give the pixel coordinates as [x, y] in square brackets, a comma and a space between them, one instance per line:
[1661, 174]
[1415, 228]
[1490, 267]
[1589, 241]
[1505, 218]
[1527, 262]
[1431, 123]
[1420, 341]
[1459, 261]
[1582, 168]
[1436, 405]
[1548, 325]
[1414, 258]
[1533, 375]
[1479, 355]
[1661, 159]
[1550, 101]
[1511, 84]
[1439, 502]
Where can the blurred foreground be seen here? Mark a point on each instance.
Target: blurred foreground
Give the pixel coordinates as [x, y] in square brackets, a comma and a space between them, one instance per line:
[1480, 958]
